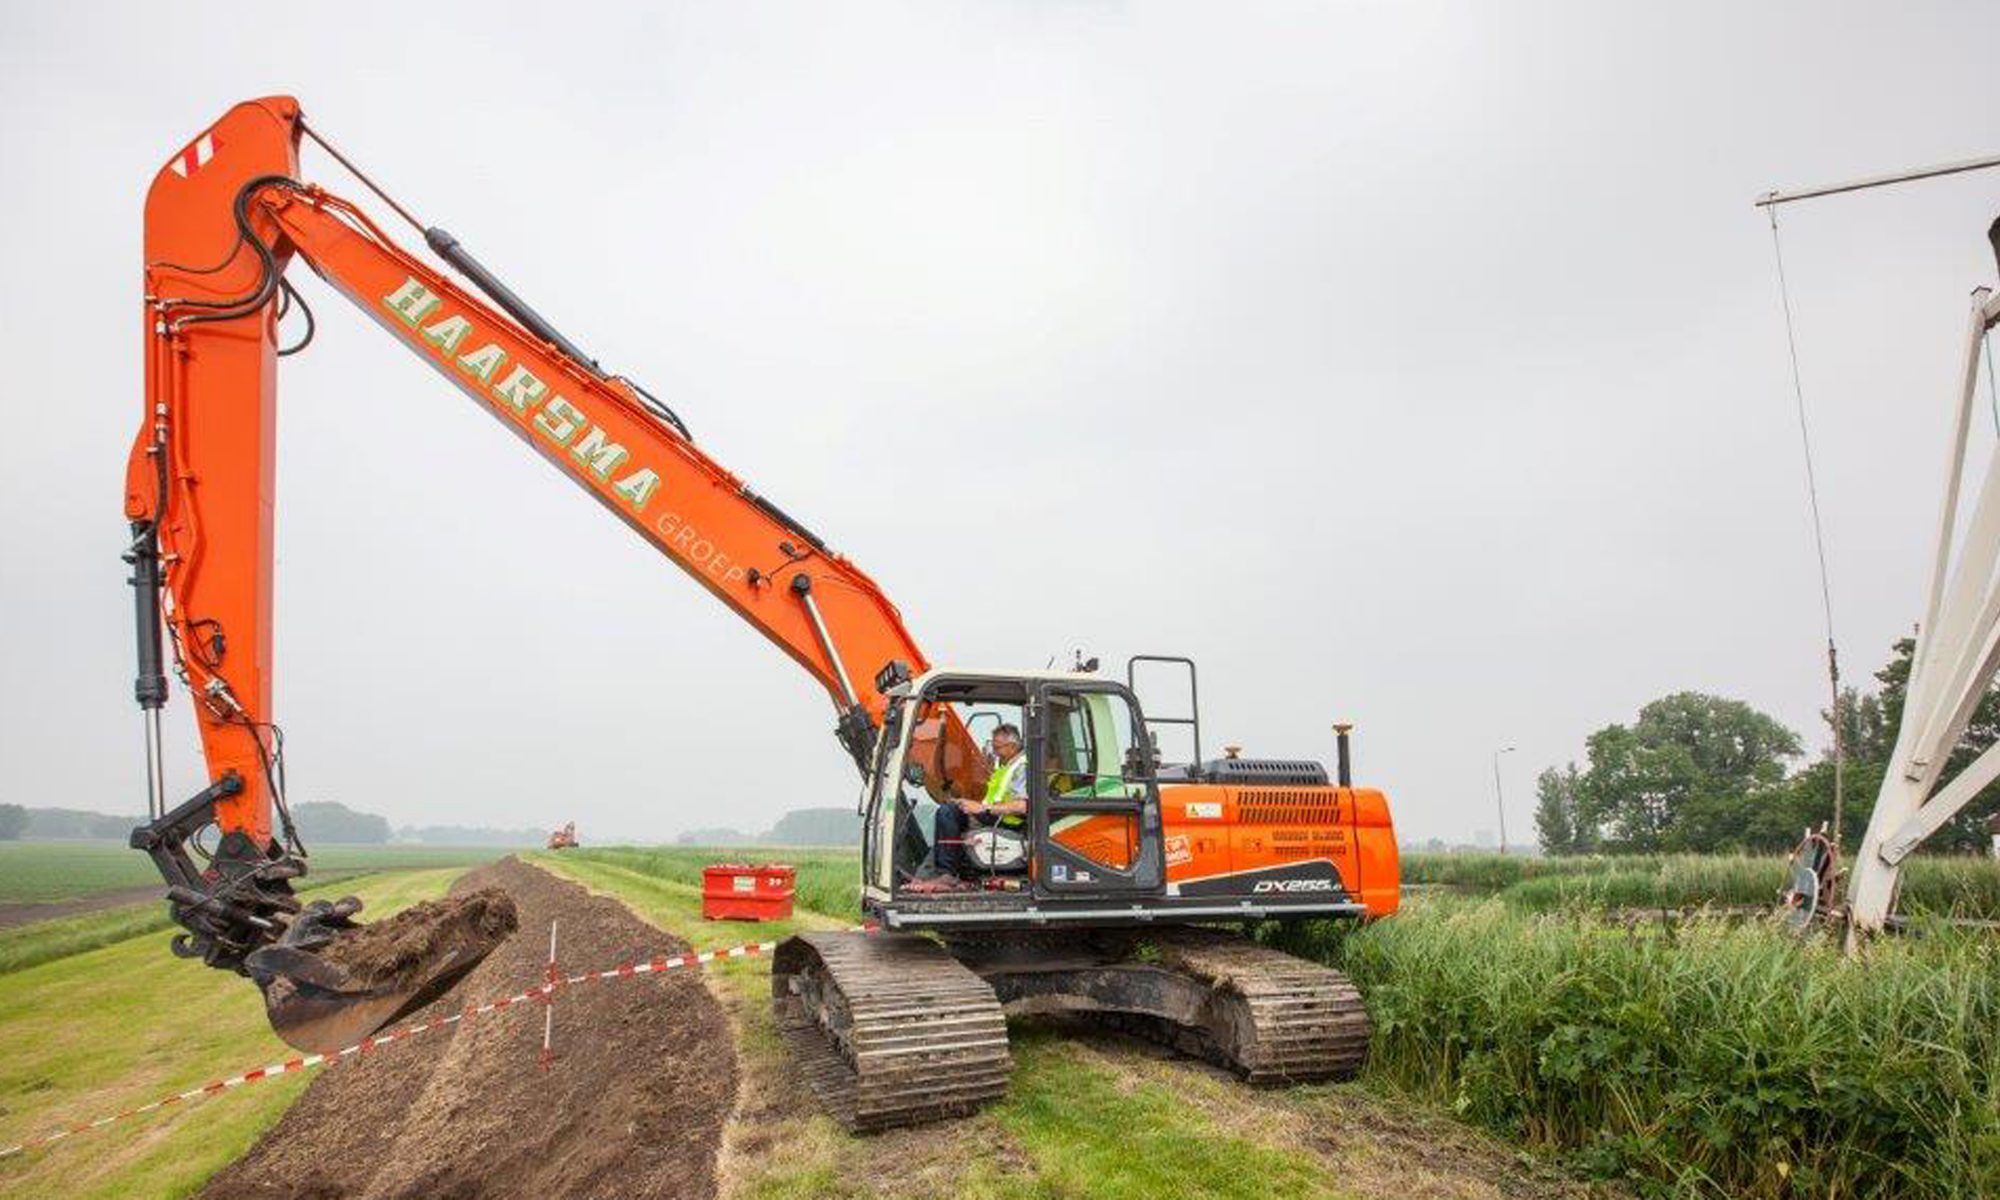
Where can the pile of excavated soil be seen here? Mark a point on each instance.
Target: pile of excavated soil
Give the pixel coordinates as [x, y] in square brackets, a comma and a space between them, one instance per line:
[398, 951]
[633, 1104]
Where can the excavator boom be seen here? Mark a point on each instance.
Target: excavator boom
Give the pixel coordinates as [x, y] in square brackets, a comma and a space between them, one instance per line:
[224, 219]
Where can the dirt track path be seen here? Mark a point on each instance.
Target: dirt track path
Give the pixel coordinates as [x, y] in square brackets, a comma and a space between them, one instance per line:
[1362, 1146]
[15, 915]
[1078, 1118]
[633, 1106]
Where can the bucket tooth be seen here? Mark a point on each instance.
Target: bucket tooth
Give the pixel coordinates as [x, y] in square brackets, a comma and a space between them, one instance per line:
[317, 1004]
[314, 1007]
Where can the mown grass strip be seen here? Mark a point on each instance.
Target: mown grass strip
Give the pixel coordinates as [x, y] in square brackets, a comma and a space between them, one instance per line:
[1090, 1132]
[45, 941]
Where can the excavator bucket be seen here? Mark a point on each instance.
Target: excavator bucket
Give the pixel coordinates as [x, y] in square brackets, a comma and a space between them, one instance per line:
[328, 982]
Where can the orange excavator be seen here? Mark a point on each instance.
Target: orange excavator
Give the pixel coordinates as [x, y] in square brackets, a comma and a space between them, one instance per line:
[1026, 848]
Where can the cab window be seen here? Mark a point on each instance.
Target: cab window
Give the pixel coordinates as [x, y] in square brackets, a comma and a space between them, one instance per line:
[1091, 738]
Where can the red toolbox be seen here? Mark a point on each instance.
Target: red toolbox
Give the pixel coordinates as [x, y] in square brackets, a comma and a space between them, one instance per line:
[747, 892]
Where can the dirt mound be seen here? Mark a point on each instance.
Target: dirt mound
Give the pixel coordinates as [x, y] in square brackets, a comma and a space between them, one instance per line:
[396, 952]
[632, 1106]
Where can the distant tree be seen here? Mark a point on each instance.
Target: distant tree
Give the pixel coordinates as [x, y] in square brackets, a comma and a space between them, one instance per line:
[13, 821]
[1564, 828]
[470, 835]
[76, 823]
[1868, 728]
[816, 827]
[1688, 775]
[799, 827]
[717, 835]
[328, 821]
[1702, 773]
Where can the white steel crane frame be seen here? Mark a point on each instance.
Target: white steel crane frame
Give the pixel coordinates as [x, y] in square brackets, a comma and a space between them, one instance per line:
[1958, 643]
[1957, 654]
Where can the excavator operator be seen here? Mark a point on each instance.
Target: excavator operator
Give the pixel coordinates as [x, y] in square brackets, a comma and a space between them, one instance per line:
[1005, 803]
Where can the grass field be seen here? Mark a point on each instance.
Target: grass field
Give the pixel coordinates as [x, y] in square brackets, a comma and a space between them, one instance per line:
[1933, 886]
[34, 872]
[46, 941]
[94, 1032]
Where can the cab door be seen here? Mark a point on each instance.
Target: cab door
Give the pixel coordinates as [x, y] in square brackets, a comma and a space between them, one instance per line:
[880, 813]
[1094, 803]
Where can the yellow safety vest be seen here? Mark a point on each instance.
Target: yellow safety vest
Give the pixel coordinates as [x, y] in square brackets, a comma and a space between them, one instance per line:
[999, 781]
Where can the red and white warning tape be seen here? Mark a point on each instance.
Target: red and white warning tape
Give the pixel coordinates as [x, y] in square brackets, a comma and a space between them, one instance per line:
[308, 1061]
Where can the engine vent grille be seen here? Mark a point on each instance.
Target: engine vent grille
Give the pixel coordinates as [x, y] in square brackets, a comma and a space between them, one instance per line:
[1265, 772]
[1288, 806]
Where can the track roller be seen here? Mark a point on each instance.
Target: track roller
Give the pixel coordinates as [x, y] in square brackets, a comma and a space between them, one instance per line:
[1267, 1016]
[1272, 1018]
[889, 1029]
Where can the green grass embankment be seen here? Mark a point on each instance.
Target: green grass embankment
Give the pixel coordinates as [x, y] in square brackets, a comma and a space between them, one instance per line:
[100, 1031]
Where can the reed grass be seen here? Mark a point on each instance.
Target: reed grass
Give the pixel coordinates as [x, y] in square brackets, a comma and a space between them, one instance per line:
[1707, 1058]
[1941, 885]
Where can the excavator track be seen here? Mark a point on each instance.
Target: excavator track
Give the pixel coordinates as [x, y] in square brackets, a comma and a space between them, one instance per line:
[1272, 1018]
[1269, 1017]
[888, 1029]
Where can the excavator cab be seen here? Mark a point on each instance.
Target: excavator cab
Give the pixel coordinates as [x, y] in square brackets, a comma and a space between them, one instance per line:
[1133, 872]
[1093, 823]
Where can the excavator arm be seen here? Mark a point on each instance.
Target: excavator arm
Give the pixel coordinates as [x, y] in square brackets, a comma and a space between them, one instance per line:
[224, 219]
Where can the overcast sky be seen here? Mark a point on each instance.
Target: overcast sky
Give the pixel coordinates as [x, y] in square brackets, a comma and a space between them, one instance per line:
[1414, 365]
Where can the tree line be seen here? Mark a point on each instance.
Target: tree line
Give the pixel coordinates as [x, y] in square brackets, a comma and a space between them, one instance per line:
[1705, 774]
[317, 820]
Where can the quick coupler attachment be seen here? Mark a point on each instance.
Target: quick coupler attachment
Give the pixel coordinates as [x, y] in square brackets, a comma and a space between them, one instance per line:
[240, 900]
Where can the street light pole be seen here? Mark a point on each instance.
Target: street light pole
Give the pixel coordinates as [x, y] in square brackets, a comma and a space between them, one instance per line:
[1500, 797]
